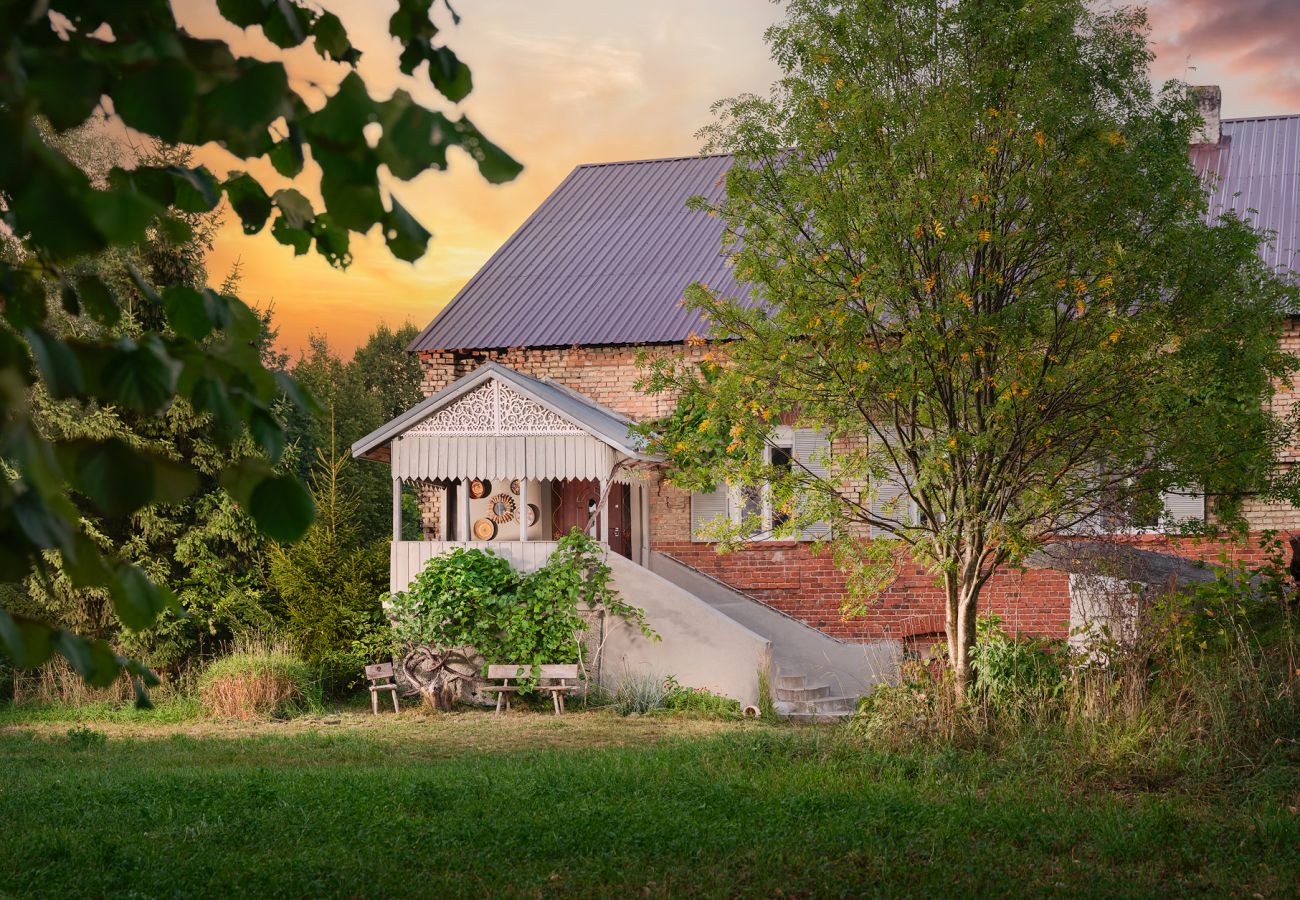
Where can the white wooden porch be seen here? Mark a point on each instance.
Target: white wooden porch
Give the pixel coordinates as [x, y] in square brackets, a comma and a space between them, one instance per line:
[409, 557]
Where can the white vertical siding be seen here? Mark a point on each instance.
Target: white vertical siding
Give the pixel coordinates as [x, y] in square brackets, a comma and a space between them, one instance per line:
[409, 557]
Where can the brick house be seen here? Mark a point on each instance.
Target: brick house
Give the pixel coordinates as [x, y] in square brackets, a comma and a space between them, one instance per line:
[554, 323]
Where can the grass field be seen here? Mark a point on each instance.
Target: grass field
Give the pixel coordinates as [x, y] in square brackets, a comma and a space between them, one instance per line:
[593, 804]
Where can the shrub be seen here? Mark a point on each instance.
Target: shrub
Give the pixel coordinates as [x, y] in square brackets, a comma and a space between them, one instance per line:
[699, 701]
[82, 738]
[474, 599]
[639, 694]
[258, 680]
[1016, 674]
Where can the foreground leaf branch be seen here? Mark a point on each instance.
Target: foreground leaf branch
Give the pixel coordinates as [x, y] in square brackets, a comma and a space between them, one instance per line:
[68, 62]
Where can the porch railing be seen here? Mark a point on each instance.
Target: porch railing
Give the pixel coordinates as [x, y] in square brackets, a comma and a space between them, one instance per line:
[409, 557]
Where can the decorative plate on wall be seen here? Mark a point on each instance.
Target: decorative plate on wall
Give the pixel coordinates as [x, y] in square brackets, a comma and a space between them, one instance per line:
[533, 513]
[479, 488]
[501, 508]
[514, 487]
[484, 529]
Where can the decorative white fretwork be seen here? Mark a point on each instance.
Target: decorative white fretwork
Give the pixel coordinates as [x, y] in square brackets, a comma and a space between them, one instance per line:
[494, 409]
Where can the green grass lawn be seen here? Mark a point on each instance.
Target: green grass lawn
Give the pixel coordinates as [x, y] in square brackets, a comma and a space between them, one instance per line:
[465, 805]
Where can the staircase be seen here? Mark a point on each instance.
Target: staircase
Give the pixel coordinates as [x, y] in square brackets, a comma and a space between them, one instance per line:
[815, 677]
[811, 704]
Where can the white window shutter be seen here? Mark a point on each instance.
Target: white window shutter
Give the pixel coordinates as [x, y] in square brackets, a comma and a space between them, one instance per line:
[706, 510]
[811, 450]
[889, 500]
[1182, 505]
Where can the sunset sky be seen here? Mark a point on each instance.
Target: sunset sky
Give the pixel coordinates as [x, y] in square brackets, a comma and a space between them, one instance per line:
[562, 82]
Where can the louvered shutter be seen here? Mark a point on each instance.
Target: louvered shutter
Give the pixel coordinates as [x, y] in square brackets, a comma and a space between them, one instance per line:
[706, 509]
[811, 449]
[885, 503]
[1180, 506]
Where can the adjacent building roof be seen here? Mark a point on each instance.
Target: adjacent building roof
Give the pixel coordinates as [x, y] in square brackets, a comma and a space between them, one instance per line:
[595, 419]
[1257, 164]
[604, 260]
[606, 257]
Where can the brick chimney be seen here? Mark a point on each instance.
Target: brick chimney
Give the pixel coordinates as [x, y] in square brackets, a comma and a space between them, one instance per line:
[1209, 103]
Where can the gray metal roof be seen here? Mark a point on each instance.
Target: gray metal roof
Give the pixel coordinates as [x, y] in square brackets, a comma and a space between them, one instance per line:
[1257, 162]
[604, 260]
[598, 420]
[606, 257]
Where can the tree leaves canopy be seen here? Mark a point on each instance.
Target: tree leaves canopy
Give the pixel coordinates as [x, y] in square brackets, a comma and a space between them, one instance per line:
[66, 61]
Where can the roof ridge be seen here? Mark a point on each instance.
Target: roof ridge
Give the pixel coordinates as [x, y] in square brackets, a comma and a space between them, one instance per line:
[1295, 115]
[653, 159]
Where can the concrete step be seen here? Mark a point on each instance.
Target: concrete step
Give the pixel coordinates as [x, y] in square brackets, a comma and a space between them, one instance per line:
[805, 692]
[790, 682]
[827, 718]
[838, 705]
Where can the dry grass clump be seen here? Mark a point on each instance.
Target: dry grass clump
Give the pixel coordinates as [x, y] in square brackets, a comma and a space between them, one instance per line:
[56, 682]
[258, 680]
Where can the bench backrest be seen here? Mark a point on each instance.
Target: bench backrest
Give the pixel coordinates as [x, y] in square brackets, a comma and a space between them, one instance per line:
[379, 670]
[522, 671]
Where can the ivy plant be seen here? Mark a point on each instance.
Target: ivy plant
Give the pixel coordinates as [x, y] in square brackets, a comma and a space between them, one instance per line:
[64, 62]
[473, 598]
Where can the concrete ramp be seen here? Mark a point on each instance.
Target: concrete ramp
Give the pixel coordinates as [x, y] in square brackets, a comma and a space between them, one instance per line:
[701, 646]
[799, 651]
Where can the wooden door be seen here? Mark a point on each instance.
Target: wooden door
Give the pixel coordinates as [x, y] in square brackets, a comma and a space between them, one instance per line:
[620, 519]
[572, 503]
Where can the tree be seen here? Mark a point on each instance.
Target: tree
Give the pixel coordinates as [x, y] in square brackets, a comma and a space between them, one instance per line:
[60, 61]
[979, 260]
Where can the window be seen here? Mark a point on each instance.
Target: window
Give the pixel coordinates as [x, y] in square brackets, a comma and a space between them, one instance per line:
[787, 448]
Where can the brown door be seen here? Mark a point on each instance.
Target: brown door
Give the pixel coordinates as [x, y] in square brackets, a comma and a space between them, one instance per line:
[574, 502]
[620, 520]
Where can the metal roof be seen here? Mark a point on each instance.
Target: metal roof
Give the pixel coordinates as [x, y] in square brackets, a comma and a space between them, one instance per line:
[604, 260]
[599, 421]
[1257, 163]
[606, 257]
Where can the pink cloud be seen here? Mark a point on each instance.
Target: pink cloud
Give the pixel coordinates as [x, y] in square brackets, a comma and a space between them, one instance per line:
[1252, 41]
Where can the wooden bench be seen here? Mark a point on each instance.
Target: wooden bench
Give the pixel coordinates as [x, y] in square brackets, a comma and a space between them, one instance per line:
[557, 679]
[381, 679]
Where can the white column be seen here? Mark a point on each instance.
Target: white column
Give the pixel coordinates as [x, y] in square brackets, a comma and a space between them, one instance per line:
[462, 500]
[602, 533]
[397, 509]
[645, 524]
[523, 509]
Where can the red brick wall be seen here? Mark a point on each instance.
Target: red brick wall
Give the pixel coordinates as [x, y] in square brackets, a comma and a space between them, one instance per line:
[788, 575]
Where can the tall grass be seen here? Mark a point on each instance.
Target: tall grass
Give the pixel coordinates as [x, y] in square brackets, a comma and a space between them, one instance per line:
[258, 679]
[1207, 688]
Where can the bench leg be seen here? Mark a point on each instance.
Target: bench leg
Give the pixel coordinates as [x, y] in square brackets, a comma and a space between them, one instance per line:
[498, 712]
[396, 707]
[374, 703]
[555, 701]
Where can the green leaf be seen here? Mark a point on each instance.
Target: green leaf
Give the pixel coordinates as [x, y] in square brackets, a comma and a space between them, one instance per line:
[340, 121]
[197, 190]
[140, 376]
[244, 13]
[414, 138]
[42, 525]
[136, 600]
[281, 507]
[350, 191]
[286, 156]
[297, 238]
[267, 432]
[406, 238]
[116, 478]
[494, 164]
[156, 100]
[27, 643]
[59, 367]
[83, 562]
[209, 396]
[287, 24]
[294, 206]
[332, 40]
[299, 397]
[24, 299]
[175, 231]
[98, 300]
[187, 312]
[173, 482]
[332, 242]
[67, 91]
[121, 215]
[94, 661]
[449, 75]
[238, 112]
[249, 201]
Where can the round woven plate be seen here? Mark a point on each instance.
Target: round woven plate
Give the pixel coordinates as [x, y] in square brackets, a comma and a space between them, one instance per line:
[484, 529]
[479, 488]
